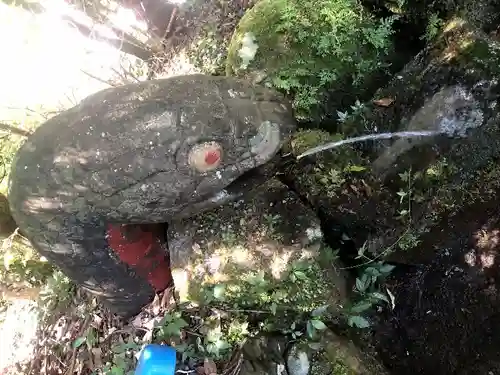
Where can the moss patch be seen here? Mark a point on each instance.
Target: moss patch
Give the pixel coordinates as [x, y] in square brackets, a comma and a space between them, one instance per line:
[306, 48]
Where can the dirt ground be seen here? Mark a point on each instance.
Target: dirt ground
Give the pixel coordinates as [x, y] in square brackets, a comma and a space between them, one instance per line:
[447, 315]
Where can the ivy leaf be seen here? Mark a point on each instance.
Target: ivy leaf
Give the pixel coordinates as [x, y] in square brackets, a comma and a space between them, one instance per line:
[318, 324]
[115, 370]
[358, 321]
[79, 342]
[379, 296]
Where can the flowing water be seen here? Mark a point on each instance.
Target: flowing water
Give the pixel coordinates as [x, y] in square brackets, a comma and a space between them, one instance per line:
[368, 137]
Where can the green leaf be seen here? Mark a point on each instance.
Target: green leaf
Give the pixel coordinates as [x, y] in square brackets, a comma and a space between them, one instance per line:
[363, 282]
[79, 342]
[361, 306]
[274, 307]
[300, 275]
[310, 329]
[115, 370]
[355, 168]
[380, 296]
[387, 268]
[318, 324]
[219, 292]
[91, 337]
[314, 345]
[358, 321]
[320, 310]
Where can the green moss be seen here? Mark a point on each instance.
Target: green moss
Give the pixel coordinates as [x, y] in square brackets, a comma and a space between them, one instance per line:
[303, 140]
[305, 48]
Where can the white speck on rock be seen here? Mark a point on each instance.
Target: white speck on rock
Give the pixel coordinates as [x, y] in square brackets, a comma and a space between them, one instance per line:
[298, 363]
[314, 234]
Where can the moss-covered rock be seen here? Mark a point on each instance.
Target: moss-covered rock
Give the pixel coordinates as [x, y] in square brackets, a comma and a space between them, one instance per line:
[263, 256]
[305, 48]
[262, 240]
[408, 185]
[340, 356]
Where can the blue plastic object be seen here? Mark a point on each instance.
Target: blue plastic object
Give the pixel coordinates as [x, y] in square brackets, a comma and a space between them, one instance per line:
[156, 360]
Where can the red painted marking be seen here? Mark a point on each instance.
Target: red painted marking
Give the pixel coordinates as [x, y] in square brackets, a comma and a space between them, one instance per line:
[142, 248]
[212, 157]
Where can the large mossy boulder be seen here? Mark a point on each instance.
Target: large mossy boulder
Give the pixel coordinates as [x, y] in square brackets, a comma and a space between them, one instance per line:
[393, 193]
[306, 48]
[263, 259]
[261, 239]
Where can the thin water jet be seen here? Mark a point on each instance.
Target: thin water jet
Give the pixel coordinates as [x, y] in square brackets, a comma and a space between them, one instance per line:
[367, 137]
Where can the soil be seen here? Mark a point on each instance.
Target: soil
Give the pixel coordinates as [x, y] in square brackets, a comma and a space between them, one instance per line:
[447, 314]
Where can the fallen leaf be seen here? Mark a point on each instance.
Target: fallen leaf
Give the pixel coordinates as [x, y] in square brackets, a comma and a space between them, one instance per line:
[210, 367]
[166, 298]
[155, 305]
[368, 189]
[97, 354]
[384, 102]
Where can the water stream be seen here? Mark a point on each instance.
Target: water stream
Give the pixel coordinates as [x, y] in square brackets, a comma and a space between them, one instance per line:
[367, 137]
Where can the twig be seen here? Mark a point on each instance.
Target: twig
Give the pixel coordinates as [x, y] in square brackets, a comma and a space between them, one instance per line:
[124, 330]
[84, 327]
[98, 79]
[386, 251]
[192, 333]
[15, 130]
[234, 368]
[247, 311]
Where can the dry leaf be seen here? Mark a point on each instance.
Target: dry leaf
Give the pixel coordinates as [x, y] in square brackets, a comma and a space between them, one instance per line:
[210, 367]
[384, 102]
[368, 189]
[166, 298]
[155, 305]
[97, 354]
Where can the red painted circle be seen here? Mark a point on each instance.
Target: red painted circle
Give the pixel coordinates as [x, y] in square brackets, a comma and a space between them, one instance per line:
[212, 157]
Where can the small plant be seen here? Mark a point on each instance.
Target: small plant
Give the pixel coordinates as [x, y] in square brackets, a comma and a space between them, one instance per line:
[367, 287]
[433, 27]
